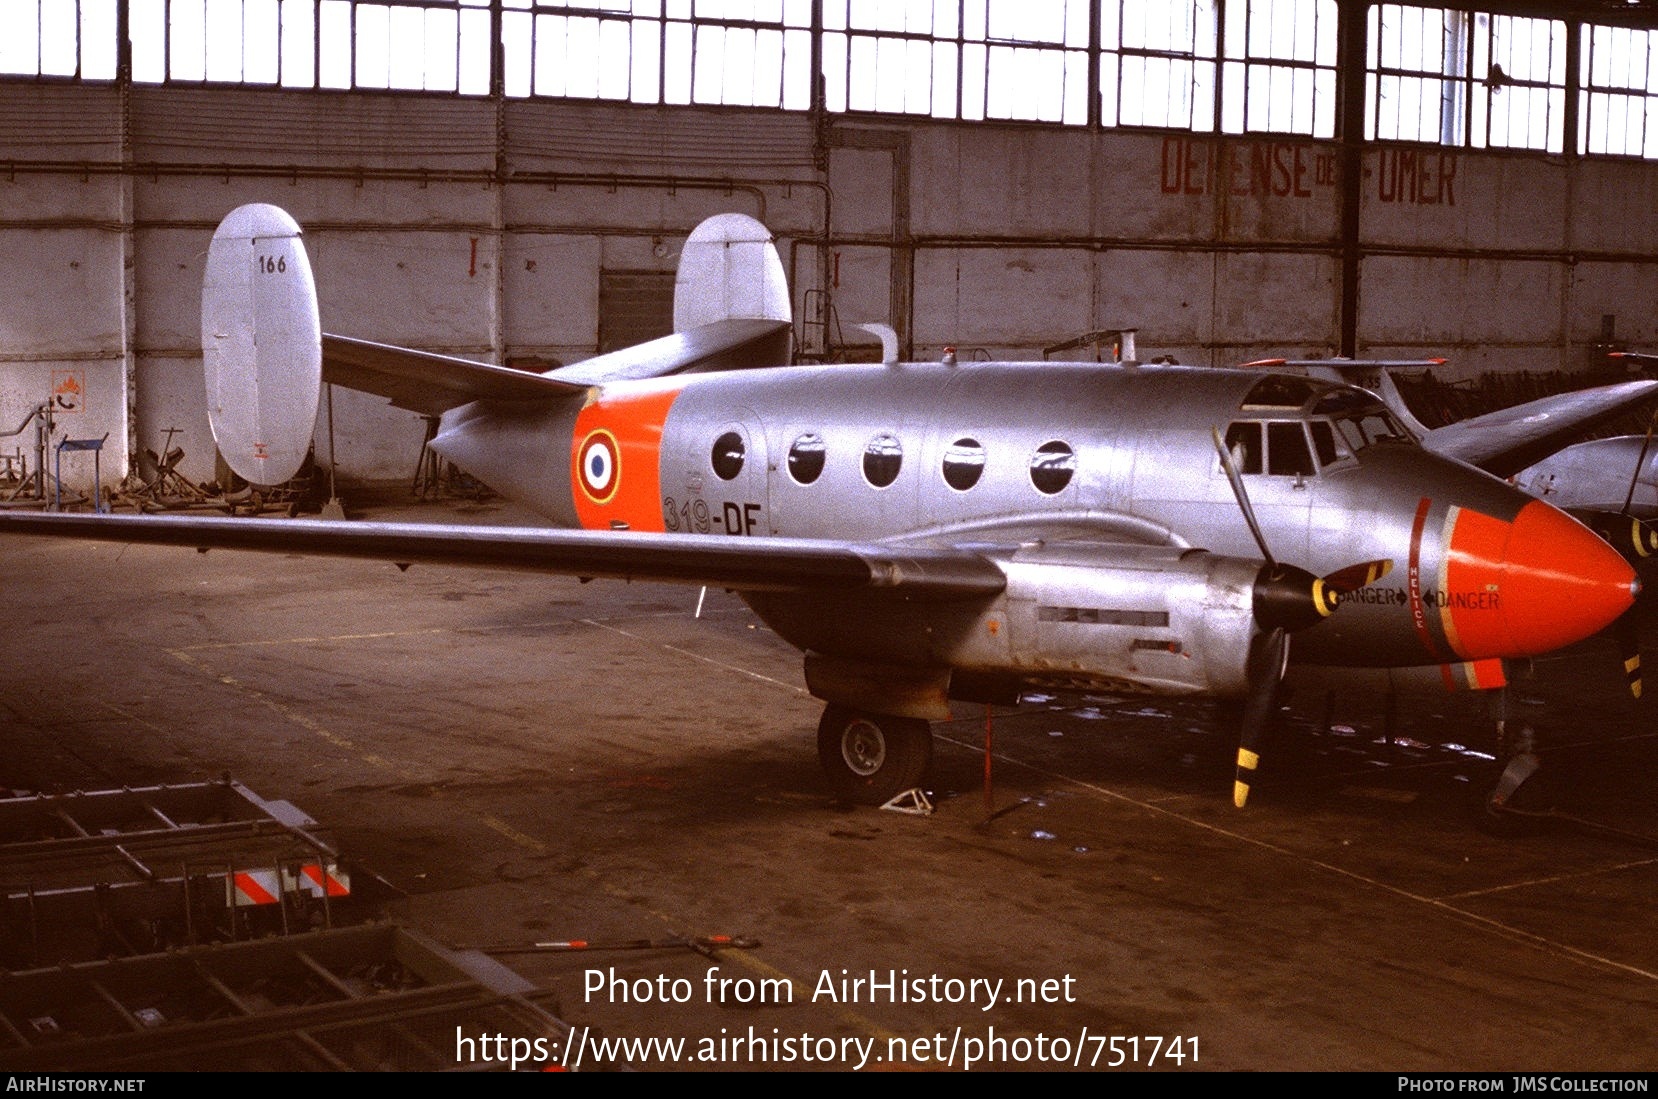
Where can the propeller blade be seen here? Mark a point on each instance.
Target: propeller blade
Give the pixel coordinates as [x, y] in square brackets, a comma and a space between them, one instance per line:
[1635, 476]
[1634, 539]
[1291, 598]
[1267, 663]
[1628, 632]
[1286, 599]
[1354, 577]
[1242, 495]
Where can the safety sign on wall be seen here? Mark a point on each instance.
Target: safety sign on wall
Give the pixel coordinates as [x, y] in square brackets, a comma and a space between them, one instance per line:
[68, 390]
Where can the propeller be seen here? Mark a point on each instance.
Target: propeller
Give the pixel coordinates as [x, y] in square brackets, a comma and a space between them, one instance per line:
[1645, 542]
[1637, 541]
[1286, 599]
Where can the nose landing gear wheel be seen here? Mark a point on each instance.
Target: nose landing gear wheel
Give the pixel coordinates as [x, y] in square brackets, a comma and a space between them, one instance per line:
[872, 758]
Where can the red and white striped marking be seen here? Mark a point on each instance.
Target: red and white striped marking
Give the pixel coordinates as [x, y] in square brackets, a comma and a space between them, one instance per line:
[253, 887]
[248, 888]
[324, 881]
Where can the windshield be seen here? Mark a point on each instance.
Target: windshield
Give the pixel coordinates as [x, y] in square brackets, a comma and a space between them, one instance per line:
[1308, 426]
[1371, 427]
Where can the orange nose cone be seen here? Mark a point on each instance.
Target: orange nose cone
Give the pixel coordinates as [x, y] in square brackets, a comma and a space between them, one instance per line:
[1525, 588]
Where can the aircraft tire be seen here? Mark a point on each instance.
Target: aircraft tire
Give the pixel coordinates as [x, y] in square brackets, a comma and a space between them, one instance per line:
[872, 758]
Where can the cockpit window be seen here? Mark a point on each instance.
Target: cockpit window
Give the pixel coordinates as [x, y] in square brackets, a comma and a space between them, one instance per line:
[1281, 391]
[1342, 400]
[1371, 427]
[1243, 443]
[1325, 444]
[1287, 453]
[1337, 421]
[1279, 448]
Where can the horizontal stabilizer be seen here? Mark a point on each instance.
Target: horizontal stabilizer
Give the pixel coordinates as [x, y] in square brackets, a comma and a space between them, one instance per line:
[428, 383]
[431, 384]
[718, 345]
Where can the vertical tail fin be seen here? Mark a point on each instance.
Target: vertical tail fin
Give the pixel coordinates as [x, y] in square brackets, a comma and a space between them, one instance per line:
[729, 270]
[261, 344]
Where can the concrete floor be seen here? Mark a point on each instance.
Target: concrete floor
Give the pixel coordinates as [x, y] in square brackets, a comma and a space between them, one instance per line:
[536, 760]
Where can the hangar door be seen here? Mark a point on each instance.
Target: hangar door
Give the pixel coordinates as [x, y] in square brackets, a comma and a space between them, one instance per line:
[634, 306]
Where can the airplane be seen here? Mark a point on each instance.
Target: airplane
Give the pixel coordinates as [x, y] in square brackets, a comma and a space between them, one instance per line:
[924, 532]
[1609, 485]
[1533, 444]
[1617, 474]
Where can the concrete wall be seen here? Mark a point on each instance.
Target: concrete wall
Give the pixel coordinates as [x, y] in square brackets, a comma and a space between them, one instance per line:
[479, 229]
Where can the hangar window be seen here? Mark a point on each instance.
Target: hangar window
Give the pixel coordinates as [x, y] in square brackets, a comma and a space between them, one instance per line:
[1279, 69]
[806, 458]
[736, 53]
[1443, 74]
[882, 458]
[1465, 78]
[424, 45]
[1620, 91]
[56, 40]
[1159, 65]
[1004, 59]
[1052, 467]
[1253, 66]
[727, 455]
[963, 464]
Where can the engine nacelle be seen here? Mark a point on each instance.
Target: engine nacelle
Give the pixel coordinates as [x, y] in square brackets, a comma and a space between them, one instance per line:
[1153, 619]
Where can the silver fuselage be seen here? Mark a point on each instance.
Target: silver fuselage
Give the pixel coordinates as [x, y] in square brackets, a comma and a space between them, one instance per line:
[1089, 478]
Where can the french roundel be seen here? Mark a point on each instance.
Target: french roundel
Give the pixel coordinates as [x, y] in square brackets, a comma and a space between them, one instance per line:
[600, 466]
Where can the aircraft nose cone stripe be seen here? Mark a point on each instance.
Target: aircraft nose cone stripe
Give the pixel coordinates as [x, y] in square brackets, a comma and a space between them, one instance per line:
[1527, 587]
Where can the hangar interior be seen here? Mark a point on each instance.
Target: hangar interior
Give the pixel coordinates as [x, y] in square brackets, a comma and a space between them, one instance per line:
[512, 181]
[1233, 180]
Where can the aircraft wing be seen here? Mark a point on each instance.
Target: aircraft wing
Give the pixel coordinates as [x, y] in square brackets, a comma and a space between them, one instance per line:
[749, 564]
[431, 384]
[1511, 439]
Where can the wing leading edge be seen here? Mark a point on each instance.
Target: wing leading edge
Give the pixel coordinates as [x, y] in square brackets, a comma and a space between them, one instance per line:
[745, 564]
[1511, 439]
